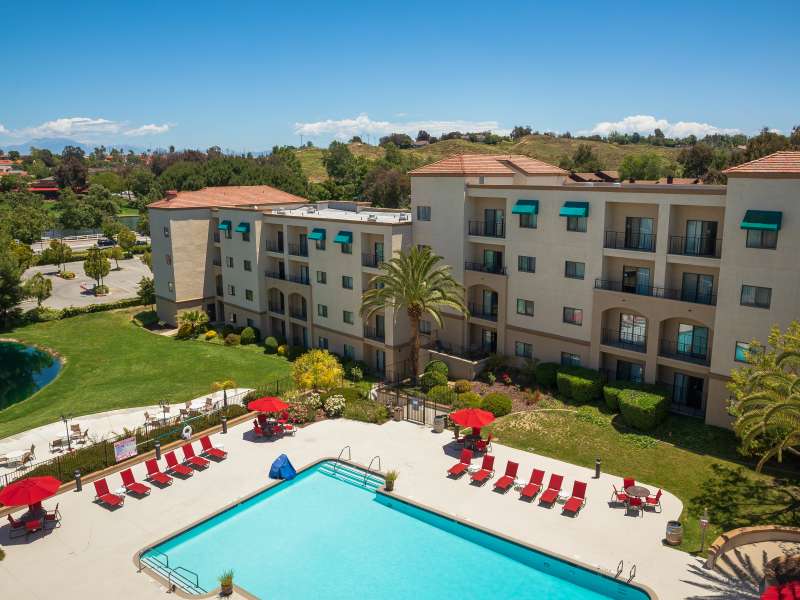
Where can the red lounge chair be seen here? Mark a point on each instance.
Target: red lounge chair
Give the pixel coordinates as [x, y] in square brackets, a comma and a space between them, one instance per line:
[484, 445]
[16, 526]
[619, 497]
[654, 501]
[133, 486]
[506, 481]
[105, 496]
[486, 470]
[533, 487]
[550, 495]
[155, 475]
[458, 469]
[628, 482]
[577, 500]
[210, 450]
[175, 467]
[288, 428]
[192, 459]
[32, 526]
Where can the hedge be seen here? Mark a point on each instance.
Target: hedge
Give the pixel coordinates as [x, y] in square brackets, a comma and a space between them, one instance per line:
[643, 409]
[579, 383]
[431, 379]
[51, 314]
[545, 374]
[441, 394]
[438, 366]
[467, 400]
[496, 403]
[611, 392]
[271, 345]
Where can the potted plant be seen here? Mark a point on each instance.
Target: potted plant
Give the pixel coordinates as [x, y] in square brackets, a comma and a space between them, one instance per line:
[226, 583]
[390, 478]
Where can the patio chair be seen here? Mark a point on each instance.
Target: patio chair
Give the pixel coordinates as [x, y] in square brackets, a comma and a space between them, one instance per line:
[288, 428]
[577, 500]
[209, 449]
[654, 501]
[257, 429]
[17, 527]
[635, 504]
[133, 486]
[57, 445]
[32, 451]
[173, 466]
[26, 458]
[3, 459]
[628, 482]
[75, 431]
[484, 445]
[458, 469]
[507, 480]
[284, 417]
[104, 496]
[209, 405]
[619, 497]
[191, 458]
[150, 419]
[486, 471]
[84, 438]
[534, 485]
[155, 475]
[184, 414]
[53, 517]
[550, 495]
[32, 526]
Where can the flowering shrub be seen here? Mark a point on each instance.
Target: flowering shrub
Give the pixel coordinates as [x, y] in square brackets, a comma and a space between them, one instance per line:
[301, 413]
[211, 334]
[506, 378]
[283, 349]
[334, 405]
[313, 401]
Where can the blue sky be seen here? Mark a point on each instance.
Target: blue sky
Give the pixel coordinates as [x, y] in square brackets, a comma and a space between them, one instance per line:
[248, 75]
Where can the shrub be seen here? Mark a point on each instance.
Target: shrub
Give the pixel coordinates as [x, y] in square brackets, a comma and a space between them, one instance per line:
[461, 386]
[67, 275]
[232, 339]
[611, 392]
[248, 336]
[283, 350]
[368, 411]
[184, 332]
[491, 377]
[441, 394]
[438, 366]
[643, 409]
[546, 374]
[496, 403]
[467, 400]
[210, 334]
[334, 405]
[317, 369]
[301, 413]
[355, 373]
[579, 383]
[431, 379]
[271, 345]
[295, 352]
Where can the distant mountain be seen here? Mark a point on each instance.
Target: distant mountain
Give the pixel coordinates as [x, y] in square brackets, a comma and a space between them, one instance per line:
[56, 145]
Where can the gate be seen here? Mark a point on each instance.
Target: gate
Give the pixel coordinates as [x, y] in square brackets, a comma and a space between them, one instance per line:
[416, 409]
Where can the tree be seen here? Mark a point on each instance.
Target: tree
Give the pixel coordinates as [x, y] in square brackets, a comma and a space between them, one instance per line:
[39, 287]
[520, 132]
[146, 291]
[647, 166]
[794, 139]
[317, 370]
[584, 160]
[387, 187]
[147, 259]
[13, 154]
[423, 136]
[111, 227]
[24, 216]
[109, 180]
[339, 162]
[102, 203]
[356, 139]
[414, 281]
[116, 253]
[195, 320]
[696, 159]
[401, 140]
[126, 239]
[766, 142]
[96, 265]
[11, 290]
[71, 171]
[75, 213]
[23, 253]
[60, 252]
[141, 182]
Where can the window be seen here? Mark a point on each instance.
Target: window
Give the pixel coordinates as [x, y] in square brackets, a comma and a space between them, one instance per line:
[231, 290]
[528, 220]
[348, 351]
[322, 277]
[573, 316]
[347, 282]
[234, 317]
[481, 179]
[322, 310]
[760, 238]
[168, 258]
[423, 213]
[250, 323]
[170, 286]
[576, 224]
[347, 316]
[347, 248]
[166, 232]
[245, 236]
[759, 297]
[574, 270]
[627, 371]
[248, 266]
[740, 354]
[248, 295]
[525, 307]
[523, 350]
[229, 262]
[320, 245]
[425, 327]
[229, 235]
[568, 359]
[322, 343]
[526, 264]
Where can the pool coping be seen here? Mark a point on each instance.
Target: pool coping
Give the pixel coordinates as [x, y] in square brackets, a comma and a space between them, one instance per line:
[382, 491]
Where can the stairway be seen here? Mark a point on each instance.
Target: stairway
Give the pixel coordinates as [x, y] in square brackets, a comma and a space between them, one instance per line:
[351, 475]
[187, 585]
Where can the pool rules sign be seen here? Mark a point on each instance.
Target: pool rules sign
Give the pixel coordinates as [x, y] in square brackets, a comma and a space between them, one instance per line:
[124, 449]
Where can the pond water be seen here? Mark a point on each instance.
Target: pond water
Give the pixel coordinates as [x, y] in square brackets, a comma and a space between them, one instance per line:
[23, 370]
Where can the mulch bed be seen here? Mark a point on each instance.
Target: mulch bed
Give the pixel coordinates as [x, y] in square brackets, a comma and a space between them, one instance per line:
[521, 398]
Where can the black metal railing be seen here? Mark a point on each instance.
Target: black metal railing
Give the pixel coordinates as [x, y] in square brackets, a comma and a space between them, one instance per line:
[485, 268]
[685, 351]
[275, 275]
[480, 311]
[299, 279]
[374, 333]
[682, 401]
[300, 314]
[216, 237]
[298, 249]
[475, 352]
[690, 295]
[219, 291]
[273, 246]
[496, 229]
[217, 262]
[628, 240]
[371, 260]
[695, 246]
[656, 292]
[624, 340]
[276, 307]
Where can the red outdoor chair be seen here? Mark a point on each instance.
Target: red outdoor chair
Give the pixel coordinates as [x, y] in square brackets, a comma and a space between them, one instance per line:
[155, 475]
[189, 457]
[133, 486]
[550, 495]
[534, 485]
[486, 471]
[16, 526]
[628, 482]
[507, 480]
[210, 450]
[104, 495]
[458, 469]
[577, 500]
[173, 466]
[654, 501]
[484, 445]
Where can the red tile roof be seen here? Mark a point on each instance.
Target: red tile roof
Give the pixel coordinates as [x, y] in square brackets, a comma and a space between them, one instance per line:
[780, 164]
[235, 195]
[488, 164]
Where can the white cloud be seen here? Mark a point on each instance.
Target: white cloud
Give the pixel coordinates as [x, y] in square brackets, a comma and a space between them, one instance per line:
[362, 124]
[3, 129]
[151, 129]
[646, 124]
[84, 129]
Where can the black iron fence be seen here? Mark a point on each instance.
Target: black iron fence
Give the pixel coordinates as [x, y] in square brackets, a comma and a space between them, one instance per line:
[482, 311]
[495, 229]
[624, 340]
[709, 247]
[273, 246]
[685, 295]
[374, 333]
[685, 351]
[485, 267]
[475, 352]
[629, 240]
[298, 249]
[371, 260]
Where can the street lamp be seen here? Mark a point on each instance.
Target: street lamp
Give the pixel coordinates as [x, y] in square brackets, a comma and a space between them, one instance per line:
[703, 527]
[65, 420]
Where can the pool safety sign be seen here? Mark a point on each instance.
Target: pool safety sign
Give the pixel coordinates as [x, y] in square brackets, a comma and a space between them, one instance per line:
[125, 449]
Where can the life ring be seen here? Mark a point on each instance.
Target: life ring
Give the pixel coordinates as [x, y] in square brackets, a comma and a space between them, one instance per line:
[187, 432]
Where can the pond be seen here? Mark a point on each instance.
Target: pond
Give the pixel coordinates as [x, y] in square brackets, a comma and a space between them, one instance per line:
[24, 370]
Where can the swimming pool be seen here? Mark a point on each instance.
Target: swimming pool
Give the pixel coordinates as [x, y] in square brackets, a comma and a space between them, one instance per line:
[328, 536]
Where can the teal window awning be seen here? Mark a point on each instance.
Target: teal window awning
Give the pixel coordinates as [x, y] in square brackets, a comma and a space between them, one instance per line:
[317, 234]
[526, 207]
[343, 237]
[574, 209]
[243, 228]
[769, 220]
[224, 225]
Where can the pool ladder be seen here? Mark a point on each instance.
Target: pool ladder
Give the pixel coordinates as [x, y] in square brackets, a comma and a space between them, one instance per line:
[339, 458]
[369, 468]
[621, 567]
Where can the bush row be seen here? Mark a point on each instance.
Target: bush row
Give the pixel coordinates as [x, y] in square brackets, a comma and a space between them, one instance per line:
[579, 383]
[40, 314]
[642, 406]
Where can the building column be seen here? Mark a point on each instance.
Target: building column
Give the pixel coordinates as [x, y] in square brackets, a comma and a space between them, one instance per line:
[662, 243]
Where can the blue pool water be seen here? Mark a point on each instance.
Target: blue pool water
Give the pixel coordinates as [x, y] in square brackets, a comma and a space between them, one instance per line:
[321, 537]
[23, 371]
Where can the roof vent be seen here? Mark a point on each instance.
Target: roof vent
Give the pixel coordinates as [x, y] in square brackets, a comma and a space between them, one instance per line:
[171, 194]
[372, 218]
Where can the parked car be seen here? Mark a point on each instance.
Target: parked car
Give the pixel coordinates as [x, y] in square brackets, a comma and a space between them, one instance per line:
[105, 243]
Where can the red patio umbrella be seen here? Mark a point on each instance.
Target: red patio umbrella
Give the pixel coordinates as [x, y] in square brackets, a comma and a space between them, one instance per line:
[30, 491]
[472, 417]
[787, 591]
[267, 404]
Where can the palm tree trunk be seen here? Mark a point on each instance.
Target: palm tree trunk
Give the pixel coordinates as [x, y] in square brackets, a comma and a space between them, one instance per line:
[414, 346]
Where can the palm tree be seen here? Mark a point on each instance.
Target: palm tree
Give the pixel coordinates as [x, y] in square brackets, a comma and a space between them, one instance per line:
[414, 281]
[195, 319]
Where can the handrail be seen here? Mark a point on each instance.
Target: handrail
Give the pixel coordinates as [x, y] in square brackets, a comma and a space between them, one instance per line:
[632, 573]
[620, 567]
[175, 571]
[369, 468]
[339, 458]
[156, 552]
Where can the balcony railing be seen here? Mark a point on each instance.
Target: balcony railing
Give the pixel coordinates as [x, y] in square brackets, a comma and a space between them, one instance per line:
[685, 351]
[299, 279]
[298, 249]
[476, 352]
[273, 246]
[217, 262]
[275, 275]
[695, 246]
[373, 333]
[495, 229]
[656, 292]
[485, 268]
[487, 313]
[624, 340]
[371, 260]
[627, 240]
[276, 308]
[216, 237]
[680, 396]
[300, 314]
[219, 291]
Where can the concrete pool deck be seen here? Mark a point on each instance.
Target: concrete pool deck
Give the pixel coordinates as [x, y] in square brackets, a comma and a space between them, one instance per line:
[90, 555]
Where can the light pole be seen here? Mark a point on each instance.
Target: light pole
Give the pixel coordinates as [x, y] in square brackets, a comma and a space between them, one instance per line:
[703, 527]
[65, 420]
[163, 404]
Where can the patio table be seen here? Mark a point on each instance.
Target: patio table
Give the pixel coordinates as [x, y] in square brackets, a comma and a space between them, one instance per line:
[15, 456]
[637, 491]
[563, 496]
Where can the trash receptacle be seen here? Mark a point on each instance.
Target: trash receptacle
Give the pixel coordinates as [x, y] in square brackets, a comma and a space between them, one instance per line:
[397, 414]
[674, 533]
[438, 424]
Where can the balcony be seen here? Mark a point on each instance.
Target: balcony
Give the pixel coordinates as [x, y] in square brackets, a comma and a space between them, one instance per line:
[219, 291]
[624, 340]
[684, 400]
[484, 268]
[275, 275]
[627, 240]
[276, 307]
[298, 249]
[487, 313]
[216, 237]
[299, 314]
[302, 279]
[217, 262]
[492, 229]
[476, 352]
[373, 333]
[273, 246]
[707, 247]
[684, 351]
[656, 292]
[371, 260]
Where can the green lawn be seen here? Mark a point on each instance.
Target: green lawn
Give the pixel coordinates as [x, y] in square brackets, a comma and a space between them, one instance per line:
[111, 363]
[696, 462]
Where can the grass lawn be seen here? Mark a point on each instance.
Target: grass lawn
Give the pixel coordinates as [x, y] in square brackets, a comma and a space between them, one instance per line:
[696, 462]
[111, 363]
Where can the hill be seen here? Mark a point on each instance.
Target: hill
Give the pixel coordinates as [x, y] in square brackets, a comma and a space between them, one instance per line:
[546, 148]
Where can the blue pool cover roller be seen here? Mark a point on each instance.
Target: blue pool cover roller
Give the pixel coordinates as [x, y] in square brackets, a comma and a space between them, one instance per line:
[282, 468]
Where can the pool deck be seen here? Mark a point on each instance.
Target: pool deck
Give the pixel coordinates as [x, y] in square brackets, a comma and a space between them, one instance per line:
[91, 554]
